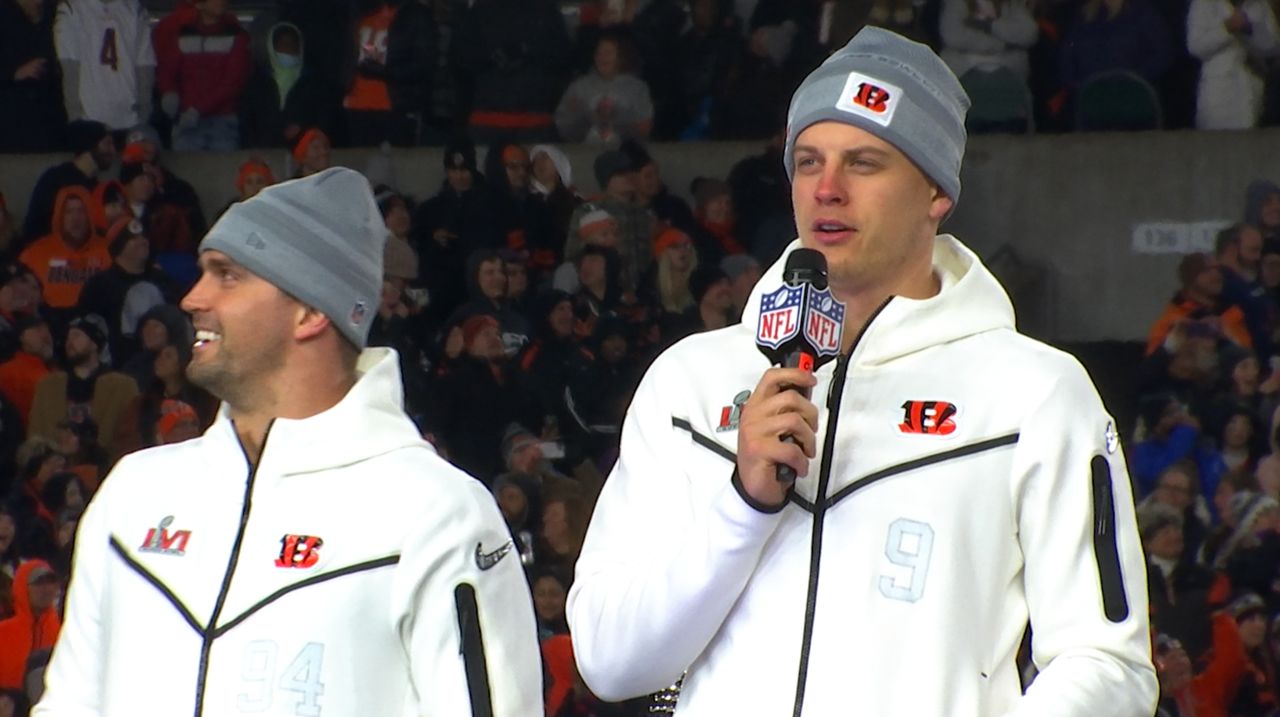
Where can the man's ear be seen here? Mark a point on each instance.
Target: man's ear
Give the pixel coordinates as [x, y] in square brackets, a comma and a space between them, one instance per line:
[310, 323]
[939, 203]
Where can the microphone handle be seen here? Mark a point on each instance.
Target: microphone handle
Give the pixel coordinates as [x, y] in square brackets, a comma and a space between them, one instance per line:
[795, 359]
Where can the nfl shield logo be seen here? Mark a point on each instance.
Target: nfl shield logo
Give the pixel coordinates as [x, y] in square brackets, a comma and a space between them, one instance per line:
[779, 316]
[825, 323]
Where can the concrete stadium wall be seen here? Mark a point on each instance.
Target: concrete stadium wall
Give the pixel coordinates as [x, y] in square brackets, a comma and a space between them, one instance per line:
[1096, 222]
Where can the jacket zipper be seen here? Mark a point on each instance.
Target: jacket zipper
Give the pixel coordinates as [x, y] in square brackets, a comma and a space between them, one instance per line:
[211, 627]
[834, 395]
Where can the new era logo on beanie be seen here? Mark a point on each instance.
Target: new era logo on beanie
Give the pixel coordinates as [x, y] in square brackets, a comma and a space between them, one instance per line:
[319, 239]
[894, 88]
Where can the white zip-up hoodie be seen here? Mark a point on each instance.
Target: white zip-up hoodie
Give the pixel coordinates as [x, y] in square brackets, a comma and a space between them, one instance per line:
[354, 572]
[974, 484]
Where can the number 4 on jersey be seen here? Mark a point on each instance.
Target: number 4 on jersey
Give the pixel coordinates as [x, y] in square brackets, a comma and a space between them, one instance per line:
[302, 676]
[109, 55]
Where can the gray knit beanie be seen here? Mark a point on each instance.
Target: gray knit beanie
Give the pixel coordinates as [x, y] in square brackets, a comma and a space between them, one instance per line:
[896, 89]
[319, 239]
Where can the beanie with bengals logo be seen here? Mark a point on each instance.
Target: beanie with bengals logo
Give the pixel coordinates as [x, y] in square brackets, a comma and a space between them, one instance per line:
[894, 88]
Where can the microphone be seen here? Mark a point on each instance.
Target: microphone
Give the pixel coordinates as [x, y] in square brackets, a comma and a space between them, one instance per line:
[801, 323]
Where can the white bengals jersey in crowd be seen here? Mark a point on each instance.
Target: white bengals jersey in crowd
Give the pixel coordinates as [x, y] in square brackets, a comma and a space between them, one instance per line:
[110, 39]
[969, 482]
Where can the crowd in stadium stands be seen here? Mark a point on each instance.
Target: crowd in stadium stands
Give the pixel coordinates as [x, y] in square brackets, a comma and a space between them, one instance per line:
[527, 296]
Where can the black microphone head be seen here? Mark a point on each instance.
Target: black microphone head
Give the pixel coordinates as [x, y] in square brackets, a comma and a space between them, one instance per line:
[806, 266]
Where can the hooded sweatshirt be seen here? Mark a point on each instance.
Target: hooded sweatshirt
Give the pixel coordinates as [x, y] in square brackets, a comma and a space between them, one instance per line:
[25, 632]
[968, 481]
[61, 268]
[297, 571]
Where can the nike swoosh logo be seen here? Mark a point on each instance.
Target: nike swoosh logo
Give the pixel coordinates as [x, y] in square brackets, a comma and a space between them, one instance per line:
[485, 561]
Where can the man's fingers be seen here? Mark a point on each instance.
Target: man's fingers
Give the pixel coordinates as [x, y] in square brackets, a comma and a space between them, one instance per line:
[777, 380]
[770, 430]
[789, 454]
[785, 402]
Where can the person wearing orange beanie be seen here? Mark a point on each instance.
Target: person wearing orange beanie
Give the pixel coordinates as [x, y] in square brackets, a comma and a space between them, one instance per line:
[254, 176]
[311, 153]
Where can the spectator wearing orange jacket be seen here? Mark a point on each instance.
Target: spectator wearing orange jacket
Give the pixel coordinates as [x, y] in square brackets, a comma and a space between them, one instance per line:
[1209, 689]
[35, 623]
[1200, 299]
[64, 259]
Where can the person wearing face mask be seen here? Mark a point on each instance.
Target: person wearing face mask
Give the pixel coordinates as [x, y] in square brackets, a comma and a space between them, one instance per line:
[285, 95]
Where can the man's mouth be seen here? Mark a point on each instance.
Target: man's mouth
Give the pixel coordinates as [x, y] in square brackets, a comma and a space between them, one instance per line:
[205, 337]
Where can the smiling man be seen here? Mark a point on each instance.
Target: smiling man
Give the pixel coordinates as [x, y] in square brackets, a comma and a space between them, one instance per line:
[958, 482]
[261, 568]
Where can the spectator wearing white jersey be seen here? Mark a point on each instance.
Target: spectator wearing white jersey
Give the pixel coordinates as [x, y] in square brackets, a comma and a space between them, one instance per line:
[108, 65]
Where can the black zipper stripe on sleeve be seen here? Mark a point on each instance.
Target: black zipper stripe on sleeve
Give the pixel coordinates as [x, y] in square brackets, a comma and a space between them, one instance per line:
[471, 644]
[155, 582]
[704, 441]
[1115, 604]
[313, 580]
[207, 646]
[834, 396]
[923, 461]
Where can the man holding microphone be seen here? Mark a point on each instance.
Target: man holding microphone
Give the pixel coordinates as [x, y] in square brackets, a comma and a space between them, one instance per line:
[956, 482]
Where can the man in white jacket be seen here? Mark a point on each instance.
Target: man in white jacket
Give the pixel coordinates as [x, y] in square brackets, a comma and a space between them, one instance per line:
[958, 484]
[310, 554]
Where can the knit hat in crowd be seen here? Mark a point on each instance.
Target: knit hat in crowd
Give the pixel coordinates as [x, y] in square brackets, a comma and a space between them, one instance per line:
[84, 135]
[143, 133]
[896, 89]
[399, 260]
[514, 438]
[610, 164]
[319, 239]
[460, 154]
[668, 238]
[254, 168]
[594, 220]
[93, 326]
[1246, 606]
[1247, 506]
[1155, 517]
[121, 232]
[304, 143]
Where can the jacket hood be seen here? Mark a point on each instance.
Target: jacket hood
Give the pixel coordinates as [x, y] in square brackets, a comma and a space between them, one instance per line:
[474, 260]
[21, 591]
[970, 302]
[1257, 191]
[271, 42]
[560, 160]
[369, 421]
[73, 191]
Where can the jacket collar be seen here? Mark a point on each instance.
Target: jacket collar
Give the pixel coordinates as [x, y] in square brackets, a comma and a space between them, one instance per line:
[970, 302]
[367, 422]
